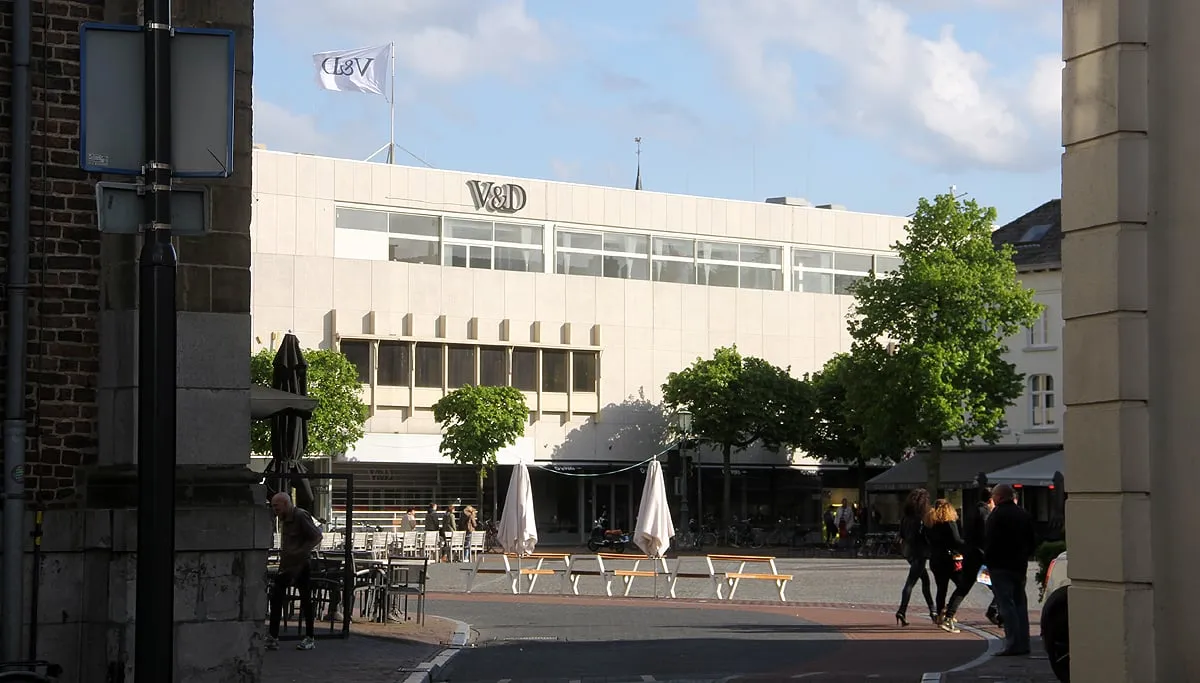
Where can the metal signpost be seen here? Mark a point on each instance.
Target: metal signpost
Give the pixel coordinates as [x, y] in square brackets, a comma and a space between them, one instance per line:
[175, 120]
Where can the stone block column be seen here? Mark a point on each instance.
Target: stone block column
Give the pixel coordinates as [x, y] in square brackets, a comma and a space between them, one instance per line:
[1132, 375]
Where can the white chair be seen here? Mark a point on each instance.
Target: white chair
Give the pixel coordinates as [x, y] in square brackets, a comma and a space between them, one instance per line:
[278, 539]
[429, 546]
[380, 542]
[458, 546]
[475, 543]
[408, 544]
[359, 540]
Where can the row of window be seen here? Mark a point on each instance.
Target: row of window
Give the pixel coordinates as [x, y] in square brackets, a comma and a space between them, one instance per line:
[434, 365]
[496, 245]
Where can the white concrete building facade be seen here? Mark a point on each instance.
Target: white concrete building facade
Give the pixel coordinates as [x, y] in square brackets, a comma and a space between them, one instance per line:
[585, 298]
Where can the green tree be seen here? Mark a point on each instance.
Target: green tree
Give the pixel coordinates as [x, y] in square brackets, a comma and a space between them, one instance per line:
[836, 433]
[737, 402]
[934, 331]
[337, 421]
[477, 423]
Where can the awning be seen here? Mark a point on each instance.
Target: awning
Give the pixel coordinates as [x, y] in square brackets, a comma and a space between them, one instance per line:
[1038, 472]
[958, 470]
[266, 403]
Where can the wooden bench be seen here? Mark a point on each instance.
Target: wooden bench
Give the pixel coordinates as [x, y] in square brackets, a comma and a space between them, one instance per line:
[628, 574]
[732, 578]
[513, 569]
[680, 573]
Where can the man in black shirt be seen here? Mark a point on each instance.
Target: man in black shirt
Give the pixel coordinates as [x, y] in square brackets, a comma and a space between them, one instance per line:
[974, 532]
[1008, 544]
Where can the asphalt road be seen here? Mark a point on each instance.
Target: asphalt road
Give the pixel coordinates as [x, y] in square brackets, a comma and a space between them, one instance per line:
[551, 639]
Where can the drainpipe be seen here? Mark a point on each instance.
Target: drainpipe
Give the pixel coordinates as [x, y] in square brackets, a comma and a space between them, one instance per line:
[11, 605]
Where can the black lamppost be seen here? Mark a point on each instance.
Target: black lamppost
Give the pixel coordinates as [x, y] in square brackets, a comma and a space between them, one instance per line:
[684, 417]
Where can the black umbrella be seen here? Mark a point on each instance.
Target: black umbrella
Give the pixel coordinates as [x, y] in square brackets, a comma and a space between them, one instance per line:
[289, 428]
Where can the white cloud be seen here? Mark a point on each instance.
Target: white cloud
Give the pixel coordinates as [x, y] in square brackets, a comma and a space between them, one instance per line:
[285, 131]
[929, 96]
[439, 40]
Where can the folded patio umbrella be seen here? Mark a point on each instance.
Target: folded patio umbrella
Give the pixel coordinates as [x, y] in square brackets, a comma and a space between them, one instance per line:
[517, 532]
[655, 529]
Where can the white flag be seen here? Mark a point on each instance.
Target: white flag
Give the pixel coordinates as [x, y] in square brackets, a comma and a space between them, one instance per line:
[360, 70]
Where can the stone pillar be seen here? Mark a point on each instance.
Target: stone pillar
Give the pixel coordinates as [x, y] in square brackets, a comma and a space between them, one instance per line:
[1130, 218]
[222, 524]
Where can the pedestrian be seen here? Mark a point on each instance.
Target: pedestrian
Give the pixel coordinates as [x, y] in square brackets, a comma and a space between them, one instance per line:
[945, 556]
[298, 537]
[916, 552]
[470, 519]
[432, 518]
[830, 520]
[408, 521]
[845, 523]
[972, 552]
[1008, 543]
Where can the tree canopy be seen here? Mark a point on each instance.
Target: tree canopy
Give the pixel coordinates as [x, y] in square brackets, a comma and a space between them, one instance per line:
[479, 421]
[935, 332]
[836, 431]
[337, 421]
[736, 402]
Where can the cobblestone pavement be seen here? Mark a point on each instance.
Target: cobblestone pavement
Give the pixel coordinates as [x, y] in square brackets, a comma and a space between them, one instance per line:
[375, 653]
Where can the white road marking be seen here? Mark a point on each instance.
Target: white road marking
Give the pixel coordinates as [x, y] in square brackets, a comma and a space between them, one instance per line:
[809, 675]
[646, 677]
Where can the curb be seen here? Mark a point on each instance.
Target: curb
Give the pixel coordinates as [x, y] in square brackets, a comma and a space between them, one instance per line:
[993, 645]
[426, 671]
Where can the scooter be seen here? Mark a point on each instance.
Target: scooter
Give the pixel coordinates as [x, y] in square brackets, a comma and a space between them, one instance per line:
[613, 539]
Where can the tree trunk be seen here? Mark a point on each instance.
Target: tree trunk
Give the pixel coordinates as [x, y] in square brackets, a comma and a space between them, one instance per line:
[727, 484]
[933, 469]
[862, 493]
[479, 490]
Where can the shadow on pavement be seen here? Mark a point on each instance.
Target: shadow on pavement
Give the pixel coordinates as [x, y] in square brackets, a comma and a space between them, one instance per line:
[707, 658]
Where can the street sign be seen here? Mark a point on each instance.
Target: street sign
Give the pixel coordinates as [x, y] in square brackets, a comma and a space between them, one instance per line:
[119, 209]
[112, 95]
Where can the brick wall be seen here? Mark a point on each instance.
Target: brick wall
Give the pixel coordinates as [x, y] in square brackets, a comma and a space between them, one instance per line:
[64, 251]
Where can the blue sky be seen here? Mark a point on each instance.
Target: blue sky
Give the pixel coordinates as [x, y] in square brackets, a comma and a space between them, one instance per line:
[865, 103]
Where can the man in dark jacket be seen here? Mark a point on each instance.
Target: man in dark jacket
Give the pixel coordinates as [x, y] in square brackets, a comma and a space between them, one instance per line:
[974, 532]
[1008, 544]
[298, 536]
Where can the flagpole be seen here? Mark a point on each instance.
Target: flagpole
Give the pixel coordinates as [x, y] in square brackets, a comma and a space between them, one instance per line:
[392, 111]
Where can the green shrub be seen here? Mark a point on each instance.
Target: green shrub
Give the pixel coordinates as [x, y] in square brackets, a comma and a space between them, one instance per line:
[1044, 555]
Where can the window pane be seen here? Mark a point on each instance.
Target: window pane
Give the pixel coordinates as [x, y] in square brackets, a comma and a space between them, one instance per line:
[519, 234]
[717, 251]
[493, 366]
[855, 262]
[887, 264]
[460, 370]
[1049, 383]
[393, 364]
[579, 240]
[583, 368]
[718, 276]
[578, 264]
[675, 271]
[524, 260]
[843, 283]
[626, 244]
[755, 254]
[817, 283]
[812, 259]
[524, 369]
[429, 366]
[359, 219]
[762, 278]
[459, 228]
[358, 352]
[413, 251]
[408, 224]
[666, 246]
[627, 267]
[455, 255]
[554, 371]
[481, 257]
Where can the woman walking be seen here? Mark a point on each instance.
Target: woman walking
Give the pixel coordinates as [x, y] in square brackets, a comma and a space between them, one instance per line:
[916, 551]
[945, 556]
